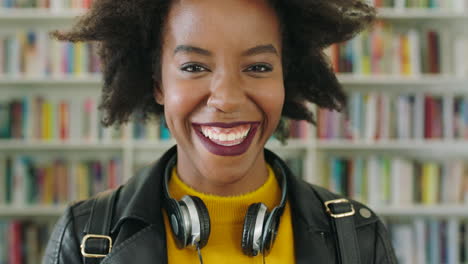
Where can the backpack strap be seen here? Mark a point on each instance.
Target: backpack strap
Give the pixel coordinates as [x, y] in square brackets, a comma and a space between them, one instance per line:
[97, 242]
[341, 212]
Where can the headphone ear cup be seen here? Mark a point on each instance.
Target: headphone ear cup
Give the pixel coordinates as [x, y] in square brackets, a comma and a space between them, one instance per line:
[270, 231]
[177, 221]
[248, 230]
[204, 217]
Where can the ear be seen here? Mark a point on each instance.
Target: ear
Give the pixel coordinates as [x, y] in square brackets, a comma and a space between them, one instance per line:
[158, 94]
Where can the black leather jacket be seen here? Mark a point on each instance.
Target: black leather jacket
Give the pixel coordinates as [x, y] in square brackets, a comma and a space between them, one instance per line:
[139, 234]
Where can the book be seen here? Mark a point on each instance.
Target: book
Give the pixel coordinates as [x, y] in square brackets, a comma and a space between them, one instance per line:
[164, 132]
[383, 180]
[55, 5]
[403, 241]
[30, 180]
[385, 50]
[32, 53]
[460, 55]
[374, 116]
[3, 184]
[429, 240]
[36, 117]
[23, 241]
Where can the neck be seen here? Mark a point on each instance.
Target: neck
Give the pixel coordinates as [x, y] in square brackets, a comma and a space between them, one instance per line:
[230, 179]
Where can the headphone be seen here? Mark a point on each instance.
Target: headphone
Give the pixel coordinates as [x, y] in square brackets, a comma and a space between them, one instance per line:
[190, 221]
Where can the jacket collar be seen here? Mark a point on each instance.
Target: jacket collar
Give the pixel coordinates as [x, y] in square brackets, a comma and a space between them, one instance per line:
[141, 197]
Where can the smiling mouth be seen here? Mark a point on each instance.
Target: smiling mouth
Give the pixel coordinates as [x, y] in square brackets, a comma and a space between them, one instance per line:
[226, 136]
[226, 139]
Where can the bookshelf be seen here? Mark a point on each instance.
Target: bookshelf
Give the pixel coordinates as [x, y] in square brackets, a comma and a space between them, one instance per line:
[310, 150]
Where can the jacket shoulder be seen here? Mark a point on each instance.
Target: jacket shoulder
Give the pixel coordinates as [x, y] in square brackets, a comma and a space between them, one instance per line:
[374, 242]
[63, 244]
[81, 211]
[363, 215]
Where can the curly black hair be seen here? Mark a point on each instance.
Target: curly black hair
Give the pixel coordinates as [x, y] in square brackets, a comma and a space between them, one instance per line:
[129, 34]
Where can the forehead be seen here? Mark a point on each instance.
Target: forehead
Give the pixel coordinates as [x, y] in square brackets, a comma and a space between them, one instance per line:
[222, 22]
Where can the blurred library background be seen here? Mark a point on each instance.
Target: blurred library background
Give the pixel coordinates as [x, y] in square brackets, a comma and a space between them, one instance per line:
[401, 146]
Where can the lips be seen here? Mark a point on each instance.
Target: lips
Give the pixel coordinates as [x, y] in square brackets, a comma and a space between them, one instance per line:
[226, 139]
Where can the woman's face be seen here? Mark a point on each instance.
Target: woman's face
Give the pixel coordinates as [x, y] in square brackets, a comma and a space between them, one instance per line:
[222, 84]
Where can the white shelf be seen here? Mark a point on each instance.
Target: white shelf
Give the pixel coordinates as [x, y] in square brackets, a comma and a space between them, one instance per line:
[35, 211]
[66, 81]
[420, 13]
[419, 145]
[58, 145]
[68, 14]
[422, 80]
[95, 80]
[424, 210]
[293, 144]
[13, 14]
[408, 211]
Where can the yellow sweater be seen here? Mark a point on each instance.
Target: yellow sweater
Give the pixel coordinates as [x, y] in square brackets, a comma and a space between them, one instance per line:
[227, 219]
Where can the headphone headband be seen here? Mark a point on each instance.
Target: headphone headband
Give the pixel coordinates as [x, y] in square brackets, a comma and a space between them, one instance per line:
[167, 174]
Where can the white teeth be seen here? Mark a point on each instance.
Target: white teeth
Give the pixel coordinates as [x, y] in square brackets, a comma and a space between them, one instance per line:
[223, 136]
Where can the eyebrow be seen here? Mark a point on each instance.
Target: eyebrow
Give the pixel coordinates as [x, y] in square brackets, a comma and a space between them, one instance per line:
[250, 52]
[192, 49]
[260, 49]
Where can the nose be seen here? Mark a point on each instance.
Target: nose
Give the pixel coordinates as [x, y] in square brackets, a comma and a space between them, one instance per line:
[227, 94]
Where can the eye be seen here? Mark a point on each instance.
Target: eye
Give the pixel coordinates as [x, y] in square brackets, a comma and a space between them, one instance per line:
[260, 68]
[193, 68]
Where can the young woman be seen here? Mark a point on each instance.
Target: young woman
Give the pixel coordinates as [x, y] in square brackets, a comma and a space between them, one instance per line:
[222, 73]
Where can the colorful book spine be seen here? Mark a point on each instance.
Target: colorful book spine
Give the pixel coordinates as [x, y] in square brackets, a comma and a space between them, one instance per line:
[47, 4]
[424, 240]
[164, 133]
[33, 53]
[380, 116]
[398, 181]
[386, 51]
[299, 129]
[30, 181]
[23, 241]
[40, 118]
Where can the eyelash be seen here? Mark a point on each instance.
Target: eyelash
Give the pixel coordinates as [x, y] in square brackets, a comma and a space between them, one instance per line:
[193, 65]
[267, 67]
[201, 68]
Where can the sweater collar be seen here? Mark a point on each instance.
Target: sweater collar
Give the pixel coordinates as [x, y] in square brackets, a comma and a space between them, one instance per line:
[269, 193]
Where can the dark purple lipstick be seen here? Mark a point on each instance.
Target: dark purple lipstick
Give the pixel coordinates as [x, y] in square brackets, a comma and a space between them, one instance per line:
[221, 150]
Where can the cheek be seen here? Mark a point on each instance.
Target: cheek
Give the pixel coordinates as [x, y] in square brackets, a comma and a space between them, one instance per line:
[271, 101]
[180, 101]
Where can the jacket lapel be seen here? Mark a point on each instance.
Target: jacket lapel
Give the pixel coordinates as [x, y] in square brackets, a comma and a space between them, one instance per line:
[311, 246]
[139, 230]
[310, 224]
[311, 232]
